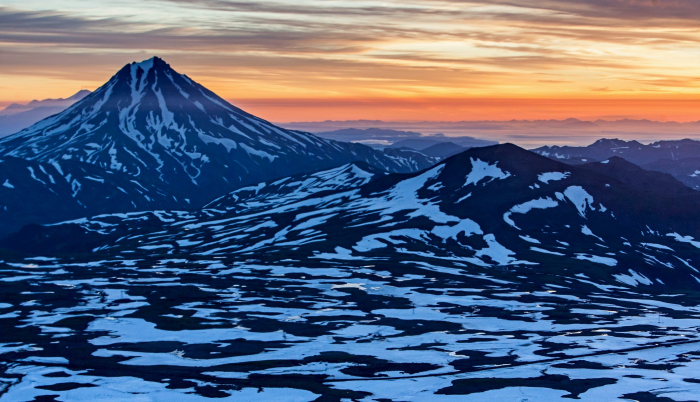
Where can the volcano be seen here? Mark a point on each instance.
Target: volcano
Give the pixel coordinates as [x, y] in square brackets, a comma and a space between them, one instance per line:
[151, 138]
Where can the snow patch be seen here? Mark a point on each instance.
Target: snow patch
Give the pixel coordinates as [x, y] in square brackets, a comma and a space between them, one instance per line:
[552, 176]
[530, 239]
[588, 232]
[262, 154]
[227, 143]
[657, 246]
[685, 239]
[466, 226]
[463, 198]
[633, 279]
[611, 262]
[340, 254]
[541, 250]
[580, 198]
[372, 242]
[498, 253]
[540, 203]
[481, 170]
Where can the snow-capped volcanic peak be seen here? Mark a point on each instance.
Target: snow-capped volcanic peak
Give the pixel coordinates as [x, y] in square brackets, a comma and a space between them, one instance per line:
[178, 144]
[149, 116]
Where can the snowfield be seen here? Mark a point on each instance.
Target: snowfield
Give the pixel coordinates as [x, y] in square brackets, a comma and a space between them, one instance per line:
[197, 329]
[352, 284]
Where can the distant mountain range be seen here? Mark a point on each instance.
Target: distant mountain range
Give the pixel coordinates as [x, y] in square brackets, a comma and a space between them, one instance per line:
[526, 133]
[151, 138]
[17, 117]
[443, 149]
[15, 108]
[436, 146]
[681, 158]
[368, 135]
[426, 142]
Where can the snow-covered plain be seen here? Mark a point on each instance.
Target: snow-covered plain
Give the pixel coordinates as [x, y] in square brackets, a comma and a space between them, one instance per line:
[196, 329]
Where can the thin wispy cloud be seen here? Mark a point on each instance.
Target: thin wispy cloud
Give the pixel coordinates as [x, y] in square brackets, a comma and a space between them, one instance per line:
[335, 50]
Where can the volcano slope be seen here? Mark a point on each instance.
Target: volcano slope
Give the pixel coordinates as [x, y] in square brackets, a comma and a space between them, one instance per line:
[498, 273]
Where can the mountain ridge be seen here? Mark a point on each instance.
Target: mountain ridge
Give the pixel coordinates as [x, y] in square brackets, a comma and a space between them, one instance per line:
[50, 102]
[16, 117]
[498, 206]
[679, 158]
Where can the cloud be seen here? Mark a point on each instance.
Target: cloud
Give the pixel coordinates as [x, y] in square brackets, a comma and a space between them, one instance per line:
[13, 20]
[374, 50]
[628, 12]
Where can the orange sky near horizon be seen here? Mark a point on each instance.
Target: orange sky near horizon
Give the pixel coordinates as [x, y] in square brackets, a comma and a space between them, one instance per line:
[472, 109]
[314, 60]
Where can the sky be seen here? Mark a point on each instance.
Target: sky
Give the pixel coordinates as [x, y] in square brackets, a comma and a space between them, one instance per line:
[314, 60]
